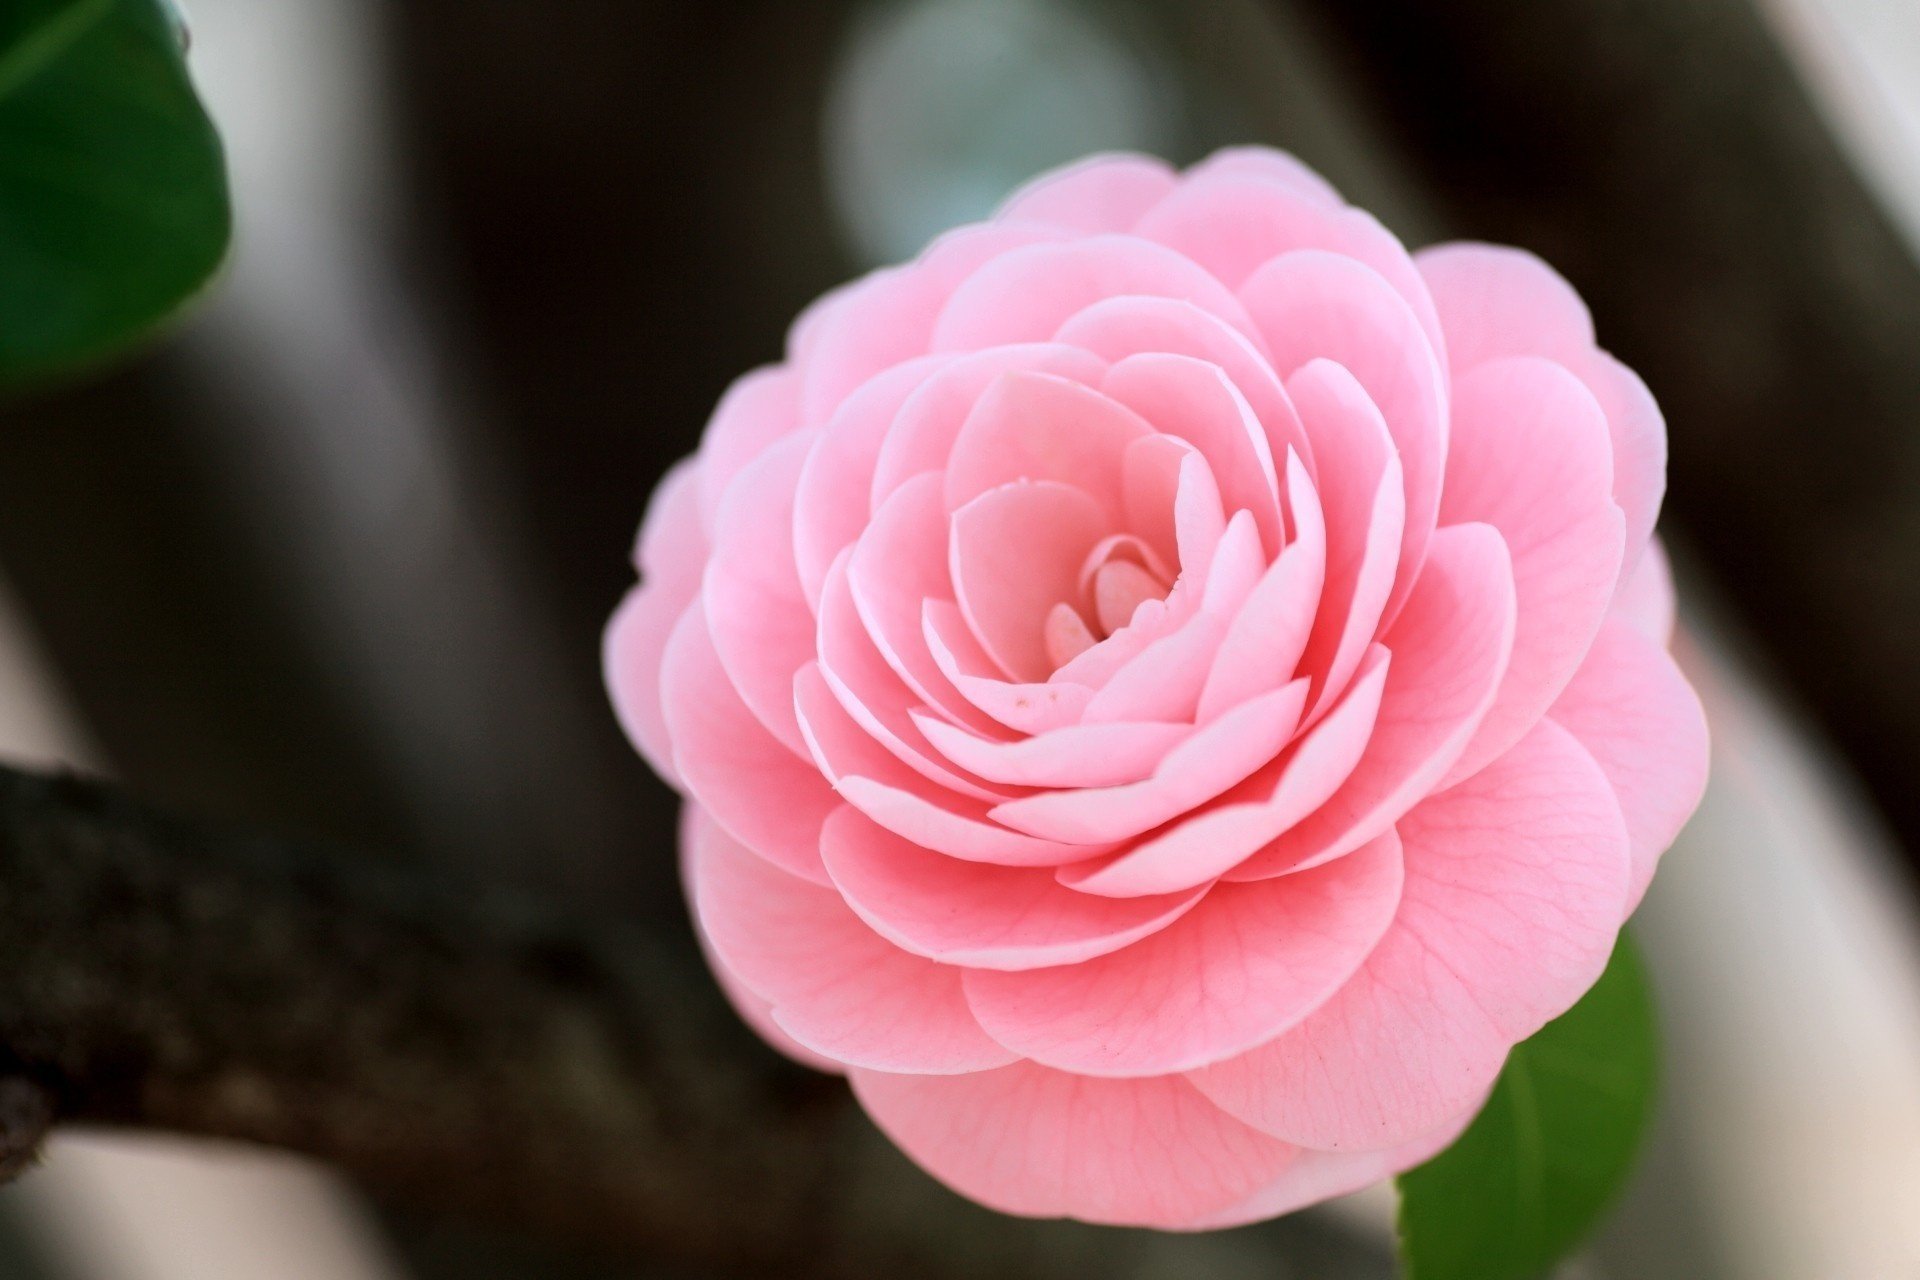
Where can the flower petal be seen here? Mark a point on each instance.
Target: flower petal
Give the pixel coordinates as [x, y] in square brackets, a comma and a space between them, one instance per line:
[1105, 192]
[1218, 755]
[754, 788]
[1530, 457]
[835, 986]
[1012, 554]
[1450, 646]
[1516, 882]
[1240, 968]
[1037, 426]
[1046, 1144]
[1643, 724]
[977, 915]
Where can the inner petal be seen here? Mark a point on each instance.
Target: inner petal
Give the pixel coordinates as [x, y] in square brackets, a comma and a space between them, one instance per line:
[1014, 553]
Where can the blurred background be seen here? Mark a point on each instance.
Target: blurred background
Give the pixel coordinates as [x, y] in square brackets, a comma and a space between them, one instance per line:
[334, 556]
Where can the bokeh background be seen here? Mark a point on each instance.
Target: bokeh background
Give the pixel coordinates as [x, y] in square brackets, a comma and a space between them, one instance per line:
[335, 554]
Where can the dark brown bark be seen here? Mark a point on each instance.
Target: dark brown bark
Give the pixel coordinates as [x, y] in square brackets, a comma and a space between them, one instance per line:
[164, 975]
[1666, 157]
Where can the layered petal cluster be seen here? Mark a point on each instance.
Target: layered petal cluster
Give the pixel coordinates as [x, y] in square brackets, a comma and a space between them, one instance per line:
[1168, 688]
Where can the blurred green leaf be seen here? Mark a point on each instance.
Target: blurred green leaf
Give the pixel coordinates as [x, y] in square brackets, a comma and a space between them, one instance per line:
[113, 191]
[1554, 1143]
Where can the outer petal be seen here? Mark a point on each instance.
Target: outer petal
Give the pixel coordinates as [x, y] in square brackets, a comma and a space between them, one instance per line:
[1232, 224]
[756, 410]
[1322, 1175]
[1642, 722]
[1515, 886]
[696, 826]
[752, 786]
[1100, 193]
[1023, 296]
[1243, 966]
[1645, 600]
[670, 553]
[1530, 457]
[1273, 165]
[835, 986]
[830, 505]
[1450, 646]
[756, 612]
[1496, 301]
[1045, 1144]
[973, 914]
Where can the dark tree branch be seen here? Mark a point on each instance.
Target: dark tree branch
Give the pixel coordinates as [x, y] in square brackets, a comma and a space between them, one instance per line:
[162, 975]
[1666, 157]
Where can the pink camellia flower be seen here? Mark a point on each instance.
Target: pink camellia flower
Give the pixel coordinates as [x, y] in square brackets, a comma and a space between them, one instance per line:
[1168, 688]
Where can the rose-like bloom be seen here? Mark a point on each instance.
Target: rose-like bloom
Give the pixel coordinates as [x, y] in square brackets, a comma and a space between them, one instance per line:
[1168, 688]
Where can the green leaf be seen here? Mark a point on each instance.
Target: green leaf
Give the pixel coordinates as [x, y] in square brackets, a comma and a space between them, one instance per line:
[113, 190]
[1554, 1143]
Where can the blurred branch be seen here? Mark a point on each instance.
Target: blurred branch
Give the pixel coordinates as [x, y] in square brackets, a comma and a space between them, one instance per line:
[1666, 157]
[162, 975]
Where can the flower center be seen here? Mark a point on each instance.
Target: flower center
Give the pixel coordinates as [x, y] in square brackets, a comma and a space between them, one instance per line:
[1121, 573]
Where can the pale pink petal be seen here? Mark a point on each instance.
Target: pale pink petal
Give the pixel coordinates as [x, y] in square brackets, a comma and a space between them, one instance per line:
[1450, 646]
[1268, 634]
[1218, 755]
[1530, 457]
[1217, 837]
[1163, 680]
[1312, 304]
[1048, 1144]
[1243, 966]
[1322, 1175]
[1100, 193]
[1357, 478]
[888, 316]
[929, 421]
[830, 504]
[1013, 553]
[756, 789]
[756, 410]
[756, 612]
[1038, 426]
[869, 777]
[1115, 328]
[1027, 708]
[1515, 886]
[976, 915]
[1075, 755]
[1232, 224]
[1642, 722]
[1150, 485]
[631, 651]
[1645, 599]
[835, 986]
[869, 691]
[900, 562]
[1193, 400]
[1496, 301]
[1272, 165]
[670, 553]
[696, 826]
[1024, 295]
